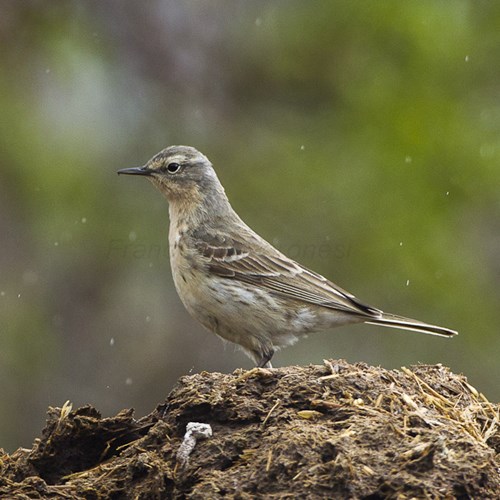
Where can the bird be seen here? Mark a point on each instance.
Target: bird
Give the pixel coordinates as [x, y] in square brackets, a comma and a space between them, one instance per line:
[235, 283]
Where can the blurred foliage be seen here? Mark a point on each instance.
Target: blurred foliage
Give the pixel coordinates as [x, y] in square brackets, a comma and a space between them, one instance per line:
[362, 138]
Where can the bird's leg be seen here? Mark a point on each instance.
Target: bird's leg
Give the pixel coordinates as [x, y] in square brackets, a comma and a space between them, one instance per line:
[265, 360]
[261, 370]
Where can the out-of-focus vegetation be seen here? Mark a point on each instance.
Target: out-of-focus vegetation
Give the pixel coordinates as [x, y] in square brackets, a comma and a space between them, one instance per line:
[362, 138]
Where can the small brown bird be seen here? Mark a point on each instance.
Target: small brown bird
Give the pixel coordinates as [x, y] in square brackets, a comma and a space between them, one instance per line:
[235, 283]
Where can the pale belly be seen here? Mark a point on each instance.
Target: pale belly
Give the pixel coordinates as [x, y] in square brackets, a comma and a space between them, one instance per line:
[247, 315]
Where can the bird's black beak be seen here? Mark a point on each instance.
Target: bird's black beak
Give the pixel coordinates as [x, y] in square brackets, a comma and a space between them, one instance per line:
[134, 171]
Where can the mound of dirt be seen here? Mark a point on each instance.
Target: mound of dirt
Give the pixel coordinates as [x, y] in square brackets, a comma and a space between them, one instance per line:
[332, 431]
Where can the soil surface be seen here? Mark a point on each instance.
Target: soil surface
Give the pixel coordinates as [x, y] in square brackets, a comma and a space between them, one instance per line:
[331, 431]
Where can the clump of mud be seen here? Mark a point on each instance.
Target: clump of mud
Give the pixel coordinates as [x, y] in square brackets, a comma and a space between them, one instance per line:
[331, 431]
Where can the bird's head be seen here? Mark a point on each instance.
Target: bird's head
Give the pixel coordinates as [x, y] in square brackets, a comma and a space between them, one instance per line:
[182, 174]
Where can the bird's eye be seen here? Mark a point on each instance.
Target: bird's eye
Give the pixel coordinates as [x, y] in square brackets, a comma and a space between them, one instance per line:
[172, 168]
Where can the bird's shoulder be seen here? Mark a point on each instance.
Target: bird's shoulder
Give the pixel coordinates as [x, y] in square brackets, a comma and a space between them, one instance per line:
[226, 253]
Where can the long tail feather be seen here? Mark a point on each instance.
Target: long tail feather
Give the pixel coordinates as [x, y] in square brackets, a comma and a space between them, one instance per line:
[393, 321]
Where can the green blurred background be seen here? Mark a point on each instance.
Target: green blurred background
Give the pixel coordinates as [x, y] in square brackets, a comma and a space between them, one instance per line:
[360, 137]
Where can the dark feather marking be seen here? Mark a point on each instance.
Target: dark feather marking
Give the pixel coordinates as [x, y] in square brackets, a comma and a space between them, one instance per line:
[278, 275]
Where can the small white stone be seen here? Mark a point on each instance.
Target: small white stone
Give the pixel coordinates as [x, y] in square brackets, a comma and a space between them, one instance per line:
[194, 431]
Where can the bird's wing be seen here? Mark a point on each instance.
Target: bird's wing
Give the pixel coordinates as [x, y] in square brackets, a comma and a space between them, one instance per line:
[267, 268]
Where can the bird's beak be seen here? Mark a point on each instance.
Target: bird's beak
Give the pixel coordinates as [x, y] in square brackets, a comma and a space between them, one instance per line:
[134, 171]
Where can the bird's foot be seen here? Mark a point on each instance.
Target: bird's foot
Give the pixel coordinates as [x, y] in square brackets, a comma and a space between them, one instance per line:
[257, 372]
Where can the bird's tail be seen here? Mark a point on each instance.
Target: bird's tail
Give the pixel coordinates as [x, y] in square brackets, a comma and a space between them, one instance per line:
[393, 321]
